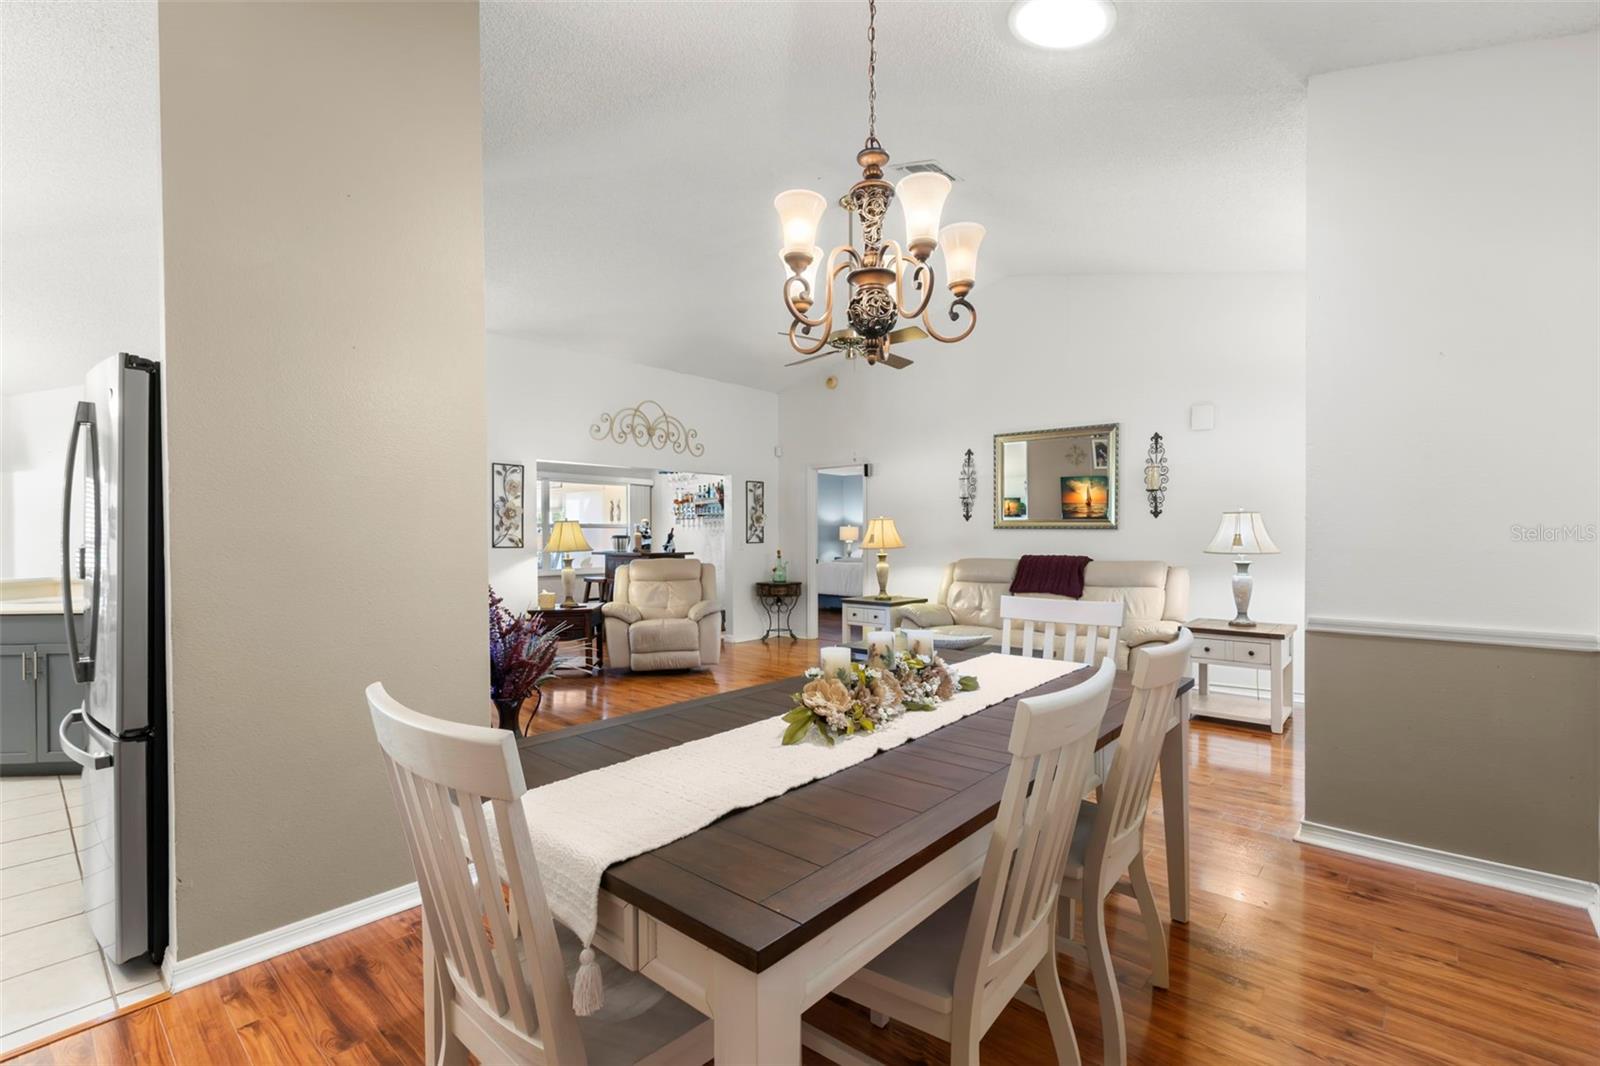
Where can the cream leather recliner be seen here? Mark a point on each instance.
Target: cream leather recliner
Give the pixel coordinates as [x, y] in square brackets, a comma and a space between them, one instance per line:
[664, 615]
[1155, 598]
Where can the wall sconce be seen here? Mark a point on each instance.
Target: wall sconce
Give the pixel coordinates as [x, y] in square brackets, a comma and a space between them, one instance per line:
[968, 482]
[1155, 475]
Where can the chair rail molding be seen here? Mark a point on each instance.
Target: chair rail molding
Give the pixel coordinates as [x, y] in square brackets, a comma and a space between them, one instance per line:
[1585, 895]
[218, 962]
[1510, 638]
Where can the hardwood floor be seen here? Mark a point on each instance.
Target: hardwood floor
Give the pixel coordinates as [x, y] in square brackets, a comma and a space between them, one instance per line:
[1292, 954]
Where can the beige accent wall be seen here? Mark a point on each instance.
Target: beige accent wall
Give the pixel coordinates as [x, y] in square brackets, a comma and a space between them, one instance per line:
[1468, 748]
[323, 262]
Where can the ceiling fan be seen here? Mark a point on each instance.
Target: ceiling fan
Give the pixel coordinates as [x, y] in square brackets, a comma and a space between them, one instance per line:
[852, 344]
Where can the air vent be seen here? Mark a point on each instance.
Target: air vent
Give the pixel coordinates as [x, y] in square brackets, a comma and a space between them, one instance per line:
[922, 166]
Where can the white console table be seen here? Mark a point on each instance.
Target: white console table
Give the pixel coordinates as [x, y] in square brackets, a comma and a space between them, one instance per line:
[1266, 646]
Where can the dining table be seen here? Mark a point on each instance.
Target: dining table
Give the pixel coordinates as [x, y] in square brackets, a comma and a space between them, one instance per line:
[760, 914]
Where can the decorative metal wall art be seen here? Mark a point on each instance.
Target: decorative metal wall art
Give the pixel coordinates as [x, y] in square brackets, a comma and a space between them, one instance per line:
[648, 425]
[1155, 475]
[505, 505]
[968, 482]
[755, 512]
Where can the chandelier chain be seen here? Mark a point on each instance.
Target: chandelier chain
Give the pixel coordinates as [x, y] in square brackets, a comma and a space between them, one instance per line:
[872, 72]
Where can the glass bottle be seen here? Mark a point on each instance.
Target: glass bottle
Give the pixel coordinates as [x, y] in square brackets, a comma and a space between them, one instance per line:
[780, 570]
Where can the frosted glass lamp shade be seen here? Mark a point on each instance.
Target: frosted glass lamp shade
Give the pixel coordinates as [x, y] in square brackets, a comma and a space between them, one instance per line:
[960, 242]
[1242, 533]
[799, 211]
[922, 199]
[881, 534]
[566, 537]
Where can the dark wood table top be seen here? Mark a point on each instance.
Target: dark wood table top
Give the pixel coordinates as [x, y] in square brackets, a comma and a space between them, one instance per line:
[758, 883]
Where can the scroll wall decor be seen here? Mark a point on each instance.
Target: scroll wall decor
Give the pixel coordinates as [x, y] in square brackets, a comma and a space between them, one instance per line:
[648, 425]
[1155, 475]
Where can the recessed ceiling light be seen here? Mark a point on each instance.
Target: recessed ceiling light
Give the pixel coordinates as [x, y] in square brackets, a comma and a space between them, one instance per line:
[1062, 23]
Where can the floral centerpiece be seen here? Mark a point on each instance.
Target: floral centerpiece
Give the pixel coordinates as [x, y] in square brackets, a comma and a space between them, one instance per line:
[522, 656]
[865, 698]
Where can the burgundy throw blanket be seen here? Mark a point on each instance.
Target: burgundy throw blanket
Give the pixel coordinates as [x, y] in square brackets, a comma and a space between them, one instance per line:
[1061, 575]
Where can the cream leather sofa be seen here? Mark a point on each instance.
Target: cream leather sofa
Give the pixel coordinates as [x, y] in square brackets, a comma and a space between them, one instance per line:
[1155, 597]
[664, 615]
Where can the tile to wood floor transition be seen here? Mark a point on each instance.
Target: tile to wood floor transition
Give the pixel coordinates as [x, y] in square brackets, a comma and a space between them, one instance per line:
[1292, 954]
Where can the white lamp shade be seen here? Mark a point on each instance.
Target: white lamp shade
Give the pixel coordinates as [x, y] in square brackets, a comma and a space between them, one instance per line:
[1242, 533]
[922, 199]
[960, 242]
[849, 533]
[566, 537]
[799, 211]
[881, 534]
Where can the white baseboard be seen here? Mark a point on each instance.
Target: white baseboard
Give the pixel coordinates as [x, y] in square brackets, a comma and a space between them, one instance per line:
[1585, 895]
[209, 965]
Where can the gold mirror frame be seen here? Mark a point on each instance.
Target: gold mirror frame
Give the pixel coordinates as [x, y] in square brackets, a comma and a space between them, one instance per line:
[1088, 436]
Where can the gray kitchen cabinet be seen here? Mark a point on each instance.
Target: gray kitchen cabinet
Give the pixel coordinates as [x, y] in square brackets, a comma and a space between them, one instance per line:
[38, 691]
[19, 719]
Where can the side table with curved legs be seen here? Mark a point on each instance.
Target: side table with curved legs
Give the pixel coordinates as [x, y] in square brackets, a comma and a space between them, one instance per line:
[779, 599]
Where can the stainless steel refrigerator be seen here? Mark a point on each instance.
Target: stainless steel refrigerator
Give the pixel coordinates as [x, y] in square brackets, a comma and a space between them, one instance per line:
[112, 543]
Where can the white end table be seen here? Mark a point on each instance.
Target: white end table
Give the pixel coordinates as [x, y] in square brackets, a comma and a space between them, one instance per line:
[869, 613]
[1265, 646]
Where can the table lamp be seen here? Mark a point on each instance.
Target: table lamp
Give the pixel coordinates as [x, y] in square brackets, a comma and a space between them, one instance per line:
[849, 534]
[1241, 534]
[567, 537]
[882, 535]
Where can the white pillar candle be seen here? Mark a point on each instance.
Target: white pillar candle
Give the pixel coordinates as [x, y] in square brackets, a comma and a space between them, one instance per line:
[900, 640]
[920, 642]
[835, 659]
[880, 642]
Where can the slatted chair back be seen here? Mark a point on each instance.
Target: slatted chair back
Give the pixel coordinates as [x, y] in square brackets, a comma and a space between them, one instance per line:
[1068, 617]
[1125, 796]
[515, 1003]
[1013, 916]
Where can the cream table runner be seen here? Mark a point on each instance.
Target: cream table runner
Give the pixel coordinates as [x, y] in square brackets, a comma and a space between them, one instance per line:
[584, 824]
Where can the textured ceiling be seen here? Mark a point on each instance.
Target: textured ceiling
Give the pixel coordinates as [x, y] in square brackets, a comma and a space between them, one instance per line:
[632, 150]
[80, 189]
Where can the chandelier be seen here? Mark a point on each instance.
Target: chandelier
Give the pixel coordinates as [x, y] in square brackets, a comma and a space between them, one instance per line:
[886, 283]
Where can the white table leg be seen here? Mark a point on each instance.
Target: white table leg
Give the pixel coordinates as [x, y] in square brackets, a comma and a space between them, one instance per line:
[1175, 809]
[1277, 686]
[1202, 680]
[755, 1016]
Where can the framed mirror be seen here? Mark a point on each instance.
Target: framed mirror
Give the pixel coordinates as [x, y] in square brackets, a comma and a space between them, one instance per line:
[1056, 478]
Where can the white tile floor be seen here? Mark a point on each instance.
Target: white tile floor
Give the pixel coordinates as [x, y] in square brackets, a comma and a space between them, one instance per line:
[52, 973]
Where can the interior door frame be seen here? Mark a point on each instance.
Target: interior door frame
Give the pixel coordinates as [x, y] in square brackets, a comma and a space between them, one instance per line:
[812, 474]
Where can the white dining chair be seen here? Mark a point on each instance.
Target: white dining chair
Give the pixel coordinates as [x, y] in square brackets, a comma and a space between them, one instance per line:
[1030, 613]
[1050, 616]
[494, 979]
[952, 974]
[1109, 840]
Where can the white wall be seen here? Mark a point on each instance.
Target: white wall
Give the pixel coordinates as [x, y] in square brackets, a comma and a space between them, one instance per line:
[1453, 332]
[33, 452]
[543, 402]
[1065, 351]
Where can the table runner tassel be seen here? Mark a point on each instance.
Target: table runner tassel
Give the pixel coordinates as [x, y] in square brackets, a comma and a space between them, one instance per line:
[588, 990]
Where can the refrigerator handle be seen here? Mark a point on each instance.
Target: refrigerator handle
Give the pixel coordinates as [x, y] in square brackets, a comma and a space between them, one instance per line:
[87, 760]
[82, 665]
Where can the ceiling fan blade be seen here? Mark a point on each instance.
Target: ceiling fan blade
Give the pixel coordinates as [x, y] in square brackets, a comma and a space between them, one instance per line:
[810, 358]
[909, 333]
[899, 362]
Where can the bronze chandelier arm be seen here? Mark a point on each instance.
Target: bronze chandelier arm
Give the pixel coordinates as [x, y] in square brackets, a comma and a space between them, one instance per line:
[825, 323]
[921, 273]
[972, 322]
[822, 338]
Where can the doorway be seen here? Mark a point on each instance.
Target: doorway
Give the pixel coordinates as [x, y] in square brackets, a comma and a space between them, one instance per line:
[689, 515]
[836, 500]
